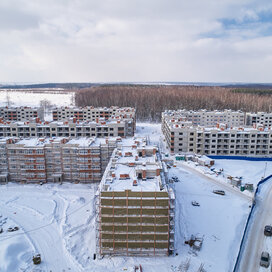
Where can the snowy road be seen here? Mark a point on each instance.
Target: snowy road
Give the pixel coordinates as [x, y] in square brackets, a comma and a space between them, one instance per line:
[256, 241]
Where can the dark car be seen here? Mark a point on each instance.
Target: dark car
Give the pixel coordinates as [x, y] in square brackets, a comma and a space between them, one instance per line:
[268, 230]
[10, 229]
[265, 259]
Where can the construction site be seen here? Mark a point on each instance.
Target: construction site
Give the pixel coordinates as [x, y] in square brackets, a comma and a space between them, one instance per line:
[135, 206]
[60, 159]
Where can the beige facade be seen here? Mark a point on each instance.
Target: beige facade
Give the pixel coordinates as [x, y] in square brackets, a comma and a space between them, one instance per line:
[135, 207]
[183, 137]
[99, 128]
[264, 118]
[207, 118]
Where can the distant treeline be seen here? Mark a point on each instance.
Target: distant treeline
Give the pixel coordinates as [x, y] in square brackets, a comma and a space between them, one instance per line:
[48, 86]
[150, 101]
[254, 91]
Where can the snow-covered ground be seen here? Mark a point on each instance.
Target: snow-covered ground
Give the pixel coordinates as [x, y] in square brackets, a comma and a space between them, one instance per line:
[53, 220]
[32, 99]
[57, 221]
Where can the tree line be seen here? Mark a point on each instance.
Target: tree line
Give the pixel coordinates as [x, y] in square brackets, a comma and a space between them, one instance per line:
[150, 100]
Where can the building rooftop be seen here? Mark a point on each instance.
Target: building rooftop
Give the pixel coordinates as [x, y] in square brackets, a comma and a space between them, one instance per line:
[134, 168]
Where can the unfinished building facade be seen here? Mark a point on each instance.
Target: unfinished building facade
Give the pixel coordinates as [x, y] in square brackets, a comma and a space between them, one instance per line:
[90, 113]
[264, 118]
[182, 137]
[72, 128]
[18, 113]
[135, 207]
[55, 160]
[206, 118]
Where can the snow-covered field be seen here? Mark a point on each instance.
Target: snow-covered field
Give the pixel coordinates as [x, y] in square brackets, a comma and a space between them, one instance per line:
[57, 221]
[32, 99]
[53, 220]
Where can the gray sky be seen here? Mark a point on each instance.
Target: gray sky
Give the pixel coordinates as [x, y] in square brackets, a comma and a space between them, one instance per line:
[135, 40]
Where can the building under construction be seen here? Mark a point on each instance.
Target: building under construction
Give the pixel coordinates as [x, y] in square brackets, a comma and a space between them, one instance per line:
[18, 113]
[135, 206]
[60, 159]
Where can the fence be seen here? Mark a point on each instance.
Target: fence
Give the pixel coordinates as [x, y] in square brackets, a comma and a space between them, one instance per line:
[239, 158]
[247, 223]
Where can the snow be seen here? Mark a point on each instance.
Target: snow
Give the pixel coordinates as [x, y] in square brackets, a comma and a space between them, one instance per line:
[17, 250]
[58, 221]
[251, 171]
[63, 216]
[33, 99]
[54, 220]
[149, 185]
[220, 219]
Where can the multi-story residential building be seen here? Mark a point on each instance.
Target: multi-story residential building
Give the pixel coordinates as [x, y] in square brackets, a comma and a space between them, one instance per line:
[183, 137]
[55, 159]
[264, 118]
[135, 207]
[4, 172]
[90, 113]
[72, 128]
[18, 113]
[207, 118]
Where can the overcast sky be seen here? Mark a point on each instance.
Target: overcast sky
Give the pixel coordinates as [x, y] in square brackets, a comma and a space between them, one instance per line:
[135, 40]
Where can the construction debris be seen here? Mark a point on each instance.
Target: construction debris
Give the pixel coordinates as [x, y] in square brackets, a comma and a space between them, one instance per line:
[195, 242]
[37, 259]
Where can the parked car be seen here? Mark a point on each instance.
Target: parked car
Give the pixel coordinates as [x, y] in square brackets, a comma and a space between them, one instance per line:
[219, 192]
[175, 179]
[10, 229]
[1, 230]
[268, 230]
[265, 259]
[194, 203]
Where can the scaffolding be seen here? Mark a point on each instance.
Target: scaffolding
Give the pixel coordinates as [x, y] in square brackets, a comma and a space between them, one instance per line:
[133, 223]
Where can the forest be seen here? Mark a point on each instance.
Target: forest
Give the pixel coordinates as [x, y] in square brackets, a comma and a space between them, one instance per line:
[151, 100]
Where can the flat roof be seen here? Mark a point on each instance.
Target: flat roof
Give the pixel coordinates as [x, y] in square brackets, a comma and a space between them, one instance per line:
[127, 165]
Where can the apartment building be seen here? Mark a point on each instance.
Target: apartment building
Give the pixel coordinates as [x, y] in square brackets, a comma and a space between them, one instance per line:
[72, 128]
[18, 113]
[55, 159]
[135, 207]
[90, 113]
[206, 118]
[3, 159]
[183, 137]
[264, 118]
